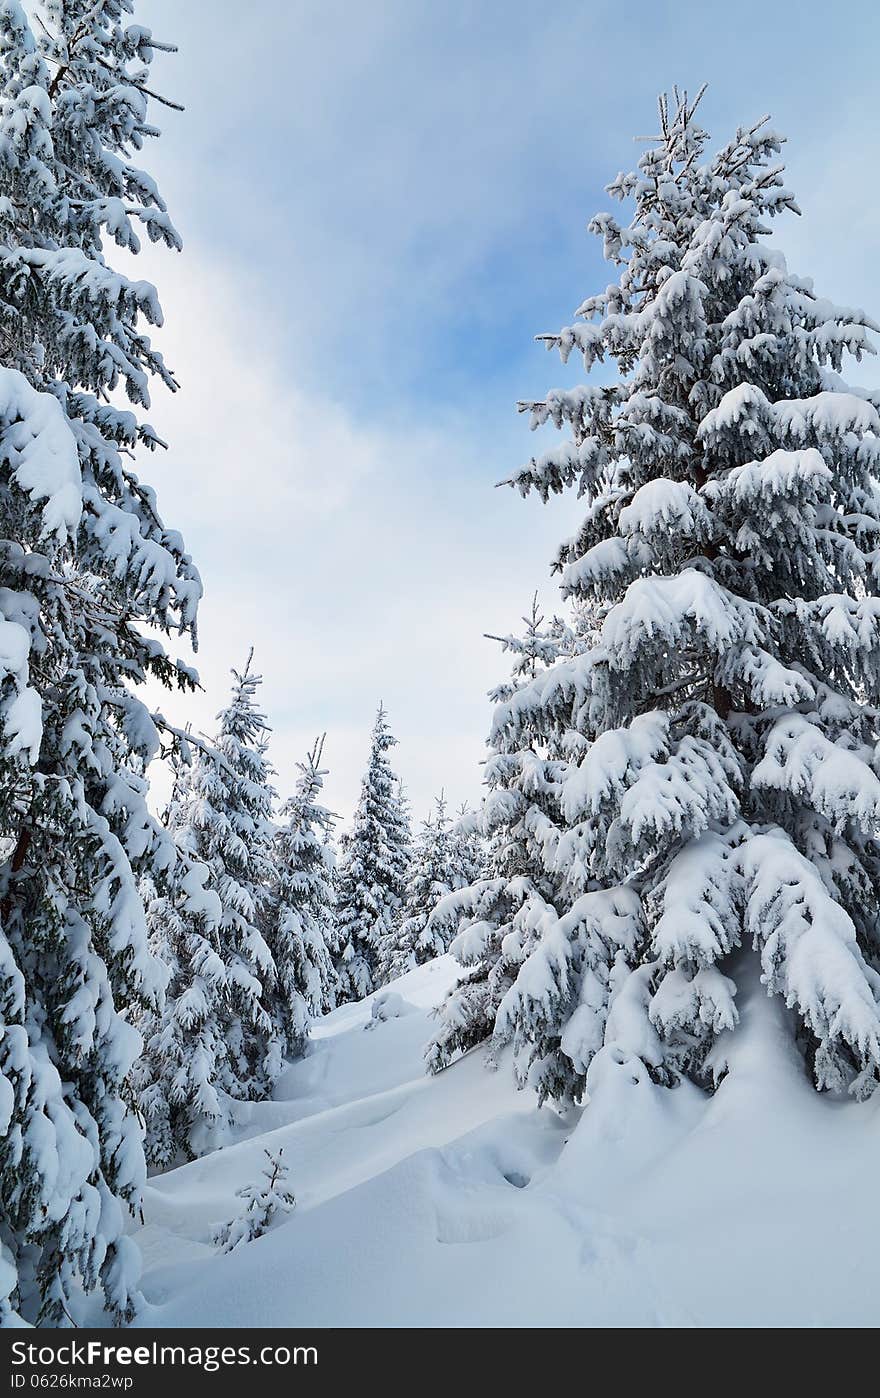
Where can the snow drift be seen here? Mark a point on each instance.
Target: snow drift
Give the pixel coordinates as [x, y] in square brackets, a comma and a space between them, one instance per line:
[455, 1201]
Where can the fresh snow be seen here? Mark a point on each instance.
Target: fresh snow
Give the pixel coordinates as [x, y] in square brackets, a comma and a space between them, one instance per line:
[42, 452]
[455, 1201]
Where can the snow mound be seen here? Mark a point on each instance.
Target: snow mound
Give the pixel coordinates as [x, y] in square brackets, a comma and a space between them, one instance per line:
[388, 1005]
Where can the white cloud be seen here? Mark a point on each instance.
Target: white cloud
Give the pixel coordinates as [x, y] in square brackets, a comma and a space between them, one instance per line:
[336, 550]
[380, 204]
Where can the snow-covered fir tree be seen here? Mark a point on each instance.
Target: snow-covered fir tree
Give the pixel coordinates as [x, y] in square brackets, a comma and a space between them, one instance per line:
[372, 871]
[263, 1201]
[701, 785]
[435, 870]
[468, 847]
[177, 1075]
[300, 914]
[493, 924]
[221, 817]
[90, 577]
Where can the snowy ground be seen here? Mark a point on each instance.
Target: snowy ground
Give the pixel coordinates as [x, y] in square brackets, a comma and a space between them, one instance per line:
[454, 1201]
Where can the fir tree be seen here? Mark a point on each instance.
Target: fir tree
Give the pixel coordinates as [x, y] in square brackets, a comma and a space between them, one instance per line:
[433, 872]
[263, 1202]
[86, 569]
[372, 871]
[468, 848]
[184, 1038]
[223, 819]
[497, 921]
[715, 785]
[301, 912]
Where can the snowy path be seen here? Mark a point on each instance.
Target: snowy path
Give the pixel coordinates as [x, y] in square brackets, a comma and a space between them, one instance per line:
[453, 1201]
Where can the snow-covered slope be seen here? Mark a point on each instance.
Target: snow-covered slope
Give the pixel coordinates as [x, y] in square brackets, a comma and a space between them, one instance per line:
[454, 1201]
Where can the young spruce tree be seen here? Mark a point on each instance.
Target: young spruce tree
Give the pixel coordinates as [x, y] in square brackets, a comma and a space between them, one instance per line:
[300, 914]
[372, 871]
[263, 1201]
[433, 872]
[222, 818]
[705, 775]
[89, 579]
[529, 867]
[178, 1073]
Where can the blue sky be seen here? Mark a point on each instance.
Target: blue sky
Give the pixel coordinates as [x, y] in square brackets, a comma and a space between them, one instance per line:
[382, 203]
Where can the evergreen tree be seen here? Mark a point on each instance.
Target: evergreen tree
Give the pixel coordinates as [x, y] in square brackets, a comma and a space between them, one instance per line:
[715, 784]
[372, 871]
[530, 871]
[433, 873]
[86, 569]
[184, 1045]
[468, 848]
[301, 913]
[263, 1202]
[221, 818]
[404, 811]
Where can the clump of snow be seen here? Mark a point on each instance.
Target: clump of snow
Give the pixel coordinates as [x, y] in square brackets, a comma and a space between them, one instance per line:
[663, 505]
[387, 1005]
[21, 713]
[37, 440]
